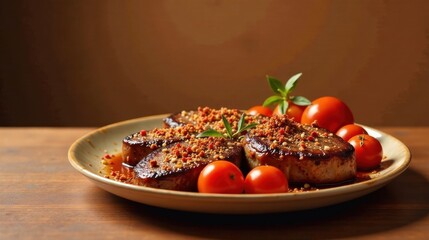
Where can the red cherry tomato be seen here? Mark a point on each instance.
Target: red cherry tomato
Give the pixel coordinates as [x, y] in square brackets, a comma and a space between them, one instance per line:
[221, 177]
[265, 179]
[369, 151]
[350, 130]
[260, 110]
[329, 112]
[294, 111]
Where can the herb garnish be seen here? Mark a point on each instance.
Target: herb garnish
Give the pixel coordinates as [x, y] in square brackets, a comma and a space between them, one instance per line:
[282, 93]
[229, 134]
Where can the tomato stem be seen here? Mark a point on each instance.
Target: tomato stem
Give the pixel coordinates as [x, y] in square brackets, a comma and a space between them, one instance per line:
[362, 139]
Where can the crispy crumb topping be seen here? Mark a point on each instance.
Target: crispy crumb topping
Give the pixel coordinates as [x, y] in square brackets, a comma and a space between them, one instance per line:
[206, 117]
[282, 134]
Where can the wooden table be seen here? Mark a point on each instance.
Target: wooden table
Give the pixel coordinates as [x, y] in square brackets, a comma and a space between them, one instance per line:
[42, 196]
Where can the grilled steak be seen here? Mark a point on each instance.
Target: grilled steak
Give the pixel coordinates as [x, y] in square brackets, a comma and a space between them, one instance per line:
[306, 154]
[178, 165]
[138, 145]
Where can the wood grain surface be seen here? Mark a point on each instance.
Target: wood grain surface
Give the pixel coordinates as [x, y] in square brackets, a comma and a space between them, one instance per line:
[43, 197]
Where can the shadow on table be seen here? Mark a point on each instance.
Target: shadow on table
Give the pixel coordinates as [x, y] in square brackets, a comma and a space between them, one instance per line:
[388, 208]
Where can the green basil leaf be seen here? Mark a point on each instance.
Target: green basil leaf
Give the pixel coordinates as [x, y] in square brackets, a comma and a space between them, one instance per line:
[249, 126]
[283, 107]
[210, 133]
[283, 92]
[241, 122]
[227, 126]
[275, 84]
[272, 100]
[300, 101]
[291, 83]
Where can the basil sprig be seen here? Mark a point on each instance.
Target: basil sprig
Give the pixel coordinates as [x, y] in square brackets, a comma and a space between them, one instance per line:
[242, 126]
[282, 93]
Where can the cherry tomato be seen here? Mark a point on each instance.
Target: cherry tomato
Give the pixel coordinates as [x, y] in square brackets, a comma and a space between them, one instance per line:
[255, 110]
[293, 111]
[369, 151]
[329, 112]
[350, 130]
[265, 179]
[221, 177]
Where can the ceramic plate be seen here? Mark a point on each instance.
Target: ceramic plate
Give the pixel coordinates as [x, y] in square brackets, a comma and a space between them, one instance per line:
[86, 153]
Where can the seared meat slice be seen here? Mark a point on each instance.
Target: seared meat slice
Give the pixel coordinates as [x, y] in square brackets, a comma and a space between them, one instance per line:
[138, 145]
[179, 119]
[306, 154]
[178, 165]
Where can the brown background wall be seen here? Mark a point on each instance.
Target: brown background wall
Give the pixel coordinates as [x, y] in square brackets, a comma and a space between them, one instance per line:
[90, 63]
